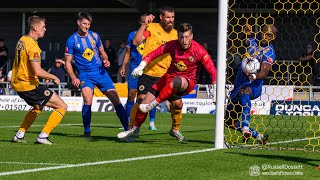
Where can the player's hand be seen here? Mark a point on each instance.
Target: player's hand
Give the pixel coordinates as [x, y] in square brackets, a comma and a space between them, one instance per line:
[247, 29]
[76, 82]
[123, 71]
[214, 93]
[249, 75]
[252, 77]
[149, 19]
[106, 63]
[47, 81]
[56, 80]
[139, 70]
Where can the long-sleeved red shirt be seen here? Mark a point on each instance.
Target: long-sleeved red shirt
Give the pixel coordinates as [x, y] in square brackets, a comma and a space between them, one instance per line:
[185, 62]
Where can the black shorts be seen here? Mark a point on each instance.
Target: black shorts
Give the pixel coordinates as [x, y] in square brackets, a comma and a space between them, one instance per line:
[39, 96]
[145, 84]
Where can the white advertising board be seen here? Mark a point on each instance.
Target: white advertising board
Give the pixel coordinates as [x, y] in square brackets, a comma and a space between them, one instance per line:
[260, 105]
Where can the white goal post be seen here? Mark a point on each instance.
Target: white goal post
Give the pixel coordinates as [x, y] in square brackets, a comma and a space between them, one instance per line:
[221, 72]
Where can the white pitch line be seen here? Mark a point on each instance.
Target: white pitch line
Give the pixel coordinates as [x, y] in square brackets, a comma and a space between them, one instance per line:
[283, 142]
[52, 164]
[294, 140]
[105, 162]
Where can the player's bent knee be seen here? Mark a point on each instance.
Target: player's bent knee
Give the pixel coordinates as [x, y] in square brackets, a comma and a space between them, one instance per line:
[176, 105]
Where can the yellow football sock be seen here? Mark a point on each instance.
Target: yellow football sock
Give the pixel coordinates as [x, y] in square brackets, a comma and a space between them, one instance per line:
[54, 119]
[176, 115]
[29, 119]
[133, 113]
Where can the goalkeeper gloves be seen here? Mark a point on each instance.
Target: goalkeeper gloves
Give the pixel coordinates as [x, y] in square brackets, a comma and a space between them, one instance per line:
[139, 70]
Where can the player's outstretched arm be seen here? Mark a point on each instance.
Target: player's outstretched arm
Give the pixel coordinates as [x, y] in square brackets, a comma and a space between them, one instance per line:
[138, 71]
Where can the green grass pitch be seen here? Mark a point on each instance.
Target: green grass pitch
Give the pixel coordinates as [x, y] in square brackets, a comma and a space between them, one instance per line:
[154, 155]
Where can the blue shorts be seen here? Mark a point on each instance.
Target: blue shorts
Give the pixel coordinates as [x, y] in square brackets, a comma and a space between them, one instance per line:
[132, 82]
[255, 90]
[102, 80]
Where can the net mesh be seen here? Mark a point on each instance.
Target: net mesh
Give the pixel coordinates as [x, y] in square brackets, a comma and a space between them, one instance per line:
[289, 106]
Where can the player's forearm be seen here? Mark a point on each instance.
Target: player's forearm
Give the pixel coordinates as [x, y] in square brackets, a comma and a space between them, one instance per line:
[138, 37]
[155, 53]
[211, 69]
[263, 73]
[70, 70]
[103, 54]
[45, 75]
[126, 58]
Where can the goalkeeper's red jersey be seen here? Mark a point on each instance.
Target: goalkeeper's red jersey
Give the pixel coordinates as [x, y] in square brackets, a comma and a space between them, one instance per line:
[185, 62]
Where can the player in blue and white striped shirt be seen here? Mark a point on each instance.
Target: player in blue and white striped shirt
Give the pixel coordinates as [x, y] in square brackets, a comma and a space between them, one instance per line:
[86, 48]
[249, 86]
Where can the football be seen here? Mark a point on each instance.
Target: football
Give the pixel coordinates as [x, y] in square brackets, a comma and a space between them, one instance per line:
[251, 65]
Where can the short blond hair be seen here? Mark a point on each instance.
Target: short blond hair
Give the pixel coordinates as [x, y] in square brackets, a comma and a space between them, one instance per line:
[32, 20]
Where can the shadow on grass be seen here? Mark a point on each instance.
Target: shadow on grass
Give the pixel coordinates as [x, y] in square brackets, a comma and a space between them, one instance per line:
[296, 159]
[146, 133]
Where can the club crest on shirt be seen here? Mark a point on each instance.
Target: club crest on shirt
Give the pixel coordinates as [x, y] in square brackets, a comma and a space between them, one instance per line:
[180, 66]
[93, 42]
[46, 92]
[141, 87]
[191, 58]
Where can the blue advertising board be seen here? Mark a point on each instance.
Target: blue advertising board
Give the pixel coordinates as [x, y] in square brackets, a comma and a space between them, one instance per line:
[295, 108]
[193, 93]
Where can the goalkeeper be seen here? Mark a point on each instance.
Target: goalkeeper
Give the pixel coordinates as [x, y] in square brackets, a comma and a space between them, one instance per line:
[249, 86]
[180, 78]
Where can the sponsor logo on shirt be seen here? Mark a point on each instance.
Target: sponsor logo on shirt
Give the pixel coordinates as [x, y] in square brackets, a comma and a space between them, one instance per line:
[180, 66]
[88, 54]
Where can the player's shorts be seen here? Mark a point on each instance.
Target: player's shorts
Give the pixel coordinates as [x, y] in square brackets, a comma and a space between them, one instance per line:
[132, 82]
[167, 79]
[102, 80]
[39, 96]
[145, 85]
[255, 91]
